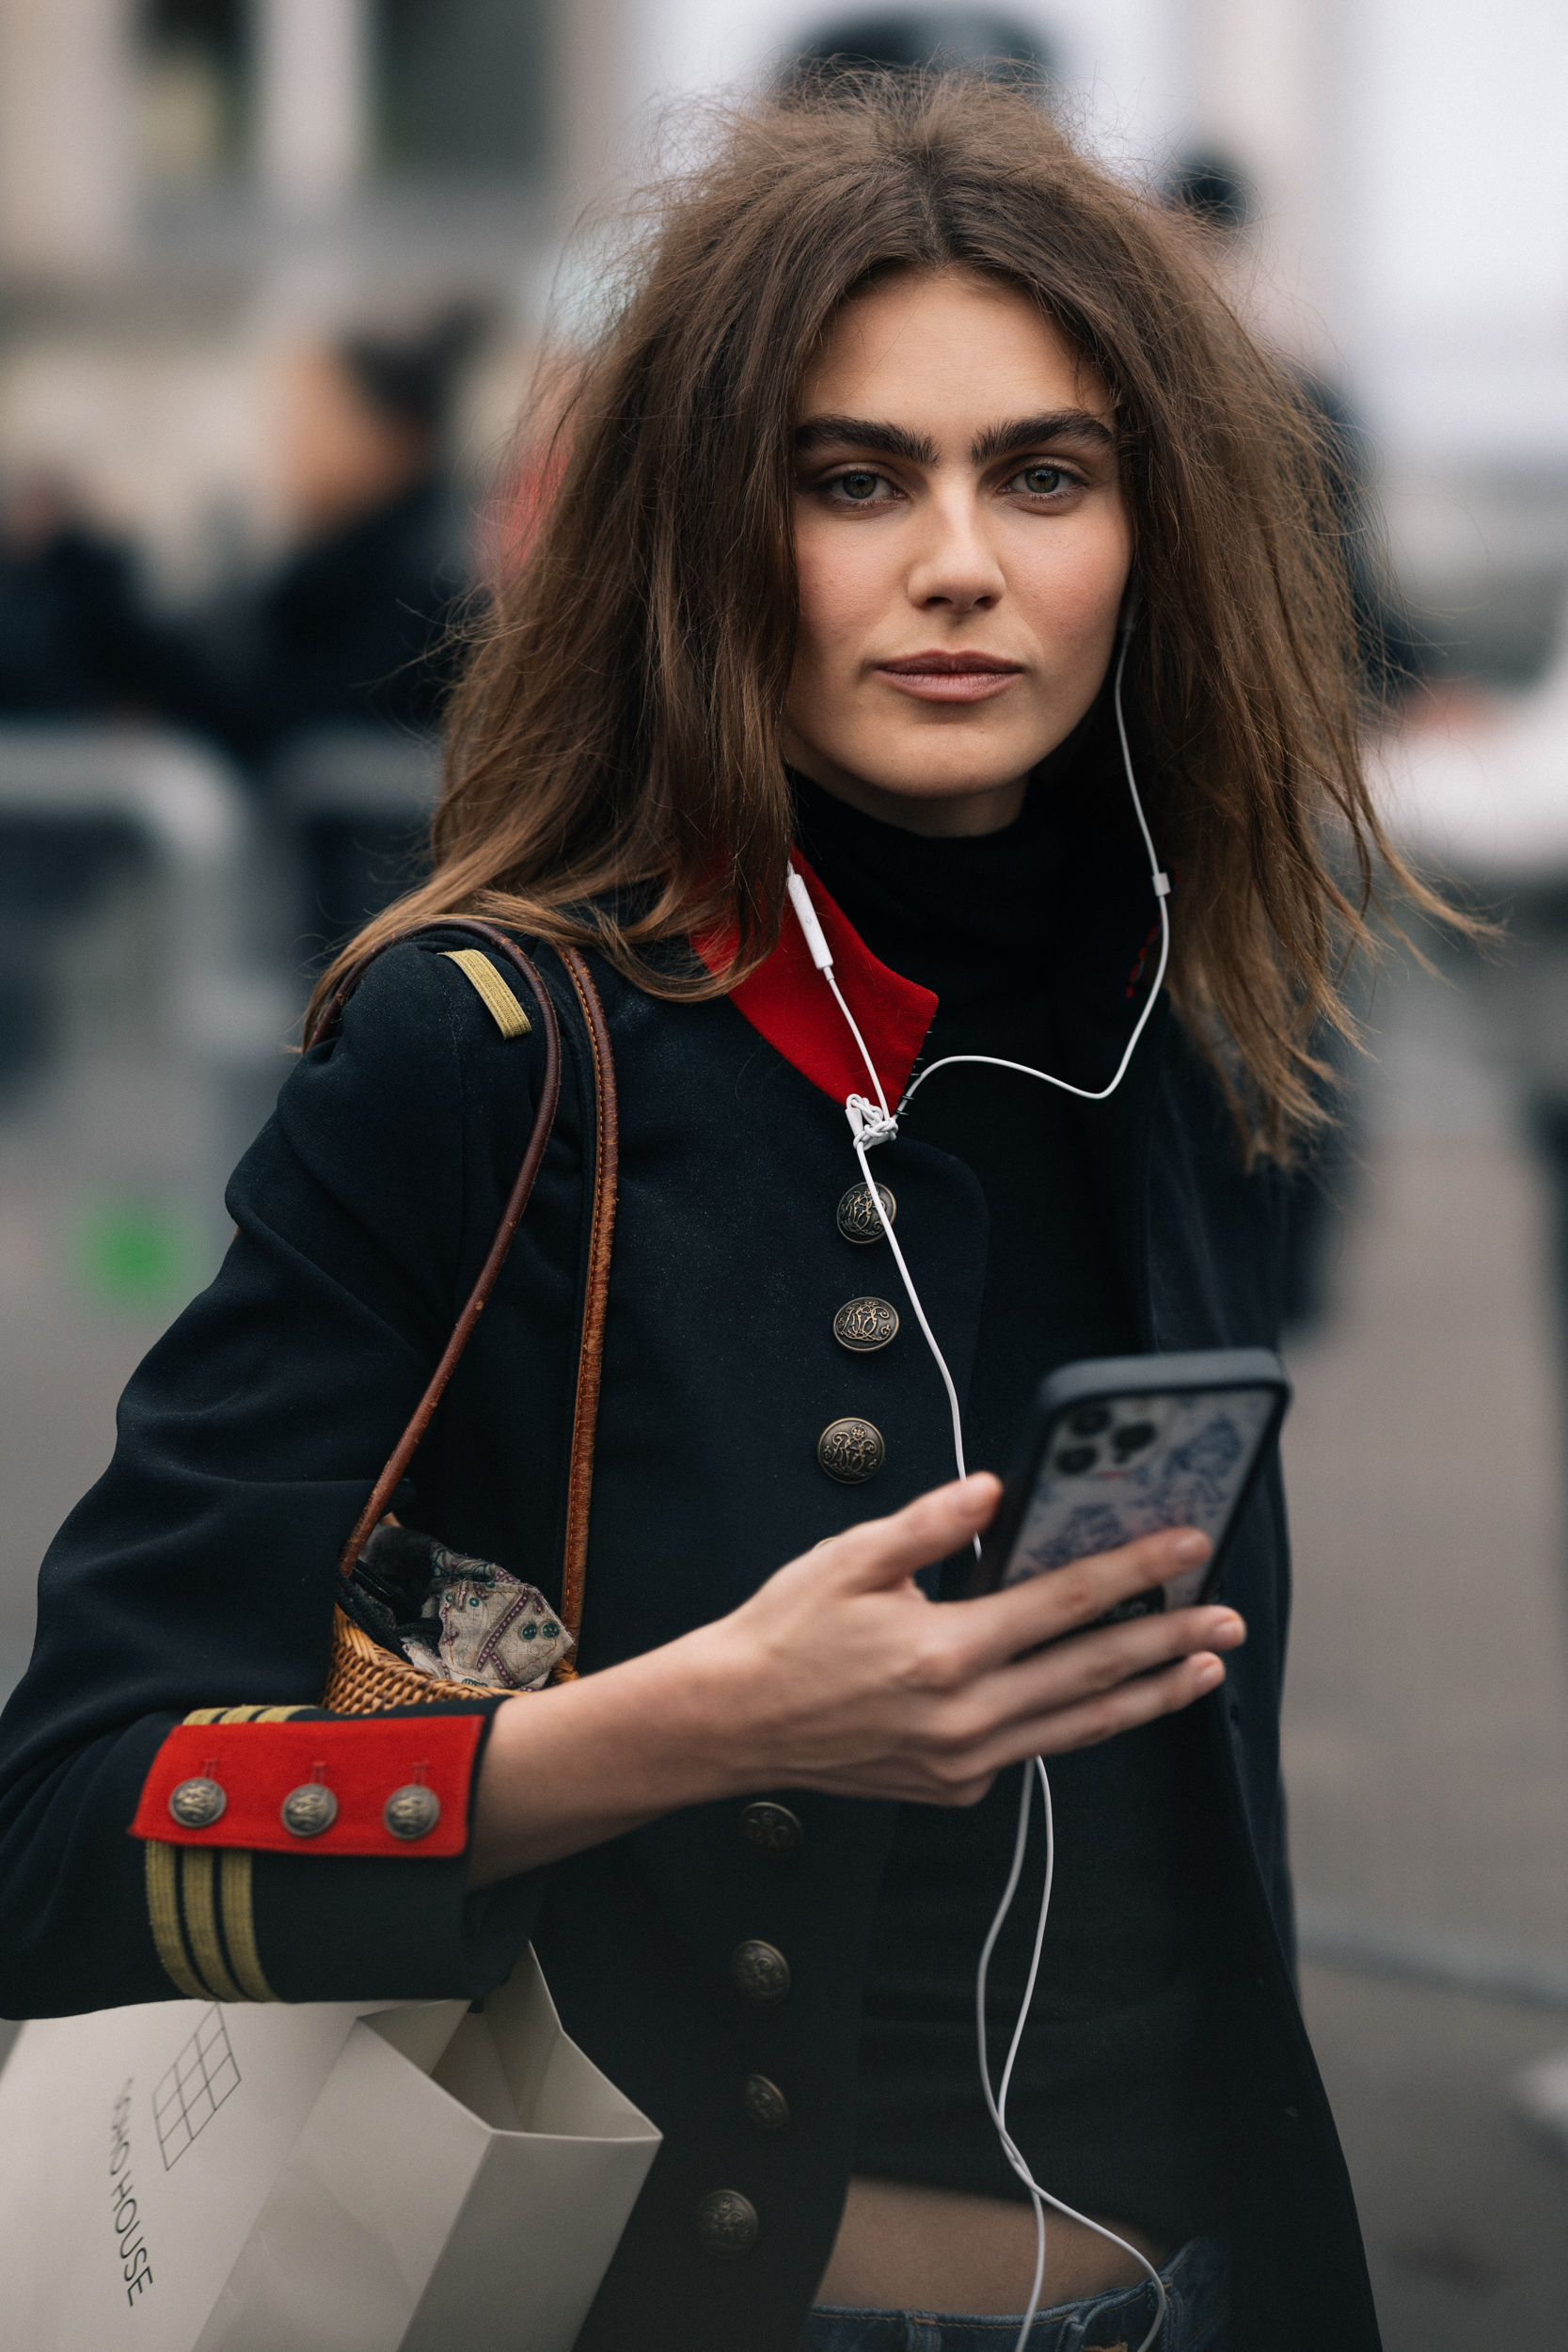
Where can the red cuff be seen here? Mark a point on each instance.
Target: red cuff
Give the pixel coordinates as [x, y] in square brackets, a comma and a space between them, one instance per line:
[376, 1785]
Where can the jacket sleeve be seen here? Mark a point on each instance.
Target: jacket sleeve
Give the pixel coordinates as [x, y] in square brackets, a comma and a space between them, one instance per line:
[185, 1607]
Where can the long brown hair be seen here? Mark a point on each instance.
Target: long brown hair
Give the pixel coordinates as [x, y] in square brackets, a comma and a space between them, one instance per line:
[613, 776]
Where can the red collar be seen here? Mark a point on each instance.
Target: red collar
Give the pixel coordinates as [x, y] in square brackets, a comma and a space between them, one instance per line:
[788, 1001]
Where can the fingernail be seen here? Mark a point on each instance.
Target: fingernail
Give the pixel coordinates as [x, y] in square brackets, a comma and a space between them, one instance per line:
[1191, 1547]
[1228, 1628]
[1209, 1673]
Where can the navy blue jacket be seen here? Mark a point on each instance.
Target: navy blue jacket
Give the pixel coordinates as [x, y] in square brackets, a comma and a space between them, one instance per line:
[199, 1573]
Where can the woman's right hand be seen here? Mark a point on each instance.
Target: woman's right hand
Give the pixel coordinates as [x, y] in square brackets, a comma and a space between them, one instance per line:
[859, 1685]
[838, 1673]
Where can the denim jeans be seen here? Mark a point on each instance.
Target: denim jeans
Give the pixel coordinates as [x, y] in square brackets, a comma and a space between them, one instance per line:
[1197, 2281]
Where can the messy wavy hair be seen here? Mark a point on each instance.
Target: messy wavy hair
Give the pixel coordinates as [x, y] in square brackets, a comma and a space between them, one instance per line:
[613, 776]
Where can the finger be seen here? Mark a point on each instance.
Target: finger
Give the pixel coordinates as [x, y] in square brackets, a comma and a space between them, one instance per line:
[1040, 1607]
[879, 1552]
[1083, 1667]
[1090, 1664]
[1091, 1721]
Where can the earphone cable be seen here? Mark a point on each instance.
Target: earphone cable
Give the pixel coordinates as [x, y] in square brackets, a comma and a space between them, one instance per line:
[997, 2101]
[1162, 892]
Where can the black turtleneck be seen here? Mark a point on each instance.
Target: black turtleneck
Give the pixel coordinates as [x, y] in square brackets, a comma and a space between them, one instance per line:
[1108, 2099]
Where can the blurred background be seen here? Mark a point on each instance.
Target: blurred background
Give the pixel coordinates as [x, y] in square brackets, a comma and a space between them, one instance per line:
[273, 273]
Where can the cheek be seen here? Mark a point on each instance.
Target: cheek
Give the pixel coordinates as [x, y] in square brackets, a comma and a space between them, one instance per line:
[840, 590]
[1073, 585]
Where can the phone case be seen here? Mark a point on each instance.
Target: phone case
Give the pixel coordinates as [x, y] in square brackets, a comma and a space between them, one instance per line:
[1126, 1445]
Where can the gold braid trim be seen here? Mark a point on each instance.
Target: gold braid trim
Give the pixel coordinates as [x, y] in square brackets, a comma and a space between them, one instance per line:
[202, 1923]
[163, 1909]
[239, 1924]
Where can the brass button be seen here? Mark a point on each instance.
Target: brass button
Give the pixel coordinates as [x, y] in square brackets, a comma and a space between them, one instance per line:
[857, 1217]
[727, 2224]
[772, 1829]
[864, 1325]
[852, 1450]
[766, 2108]
[198, 1804]
[760, 1971]
[309, 1809]
[412, 1812]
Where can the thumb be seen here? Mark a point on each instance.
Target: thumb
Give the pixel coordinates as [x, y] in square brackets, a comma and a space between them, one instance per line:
[882, 1552]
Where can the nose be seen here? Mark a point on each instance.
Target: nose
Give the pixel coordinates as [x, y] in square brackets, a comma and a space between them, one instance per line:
[954, 565]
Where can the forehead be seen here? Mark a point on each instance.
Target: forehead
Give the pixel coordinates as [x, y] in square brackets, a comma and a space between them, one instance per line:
[950, 346]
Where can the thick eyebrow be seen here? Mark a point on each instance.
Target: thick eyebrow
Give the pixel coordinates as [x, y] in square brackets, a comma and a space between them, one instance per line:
[864, 433]
[918, 449]
[1057, 425]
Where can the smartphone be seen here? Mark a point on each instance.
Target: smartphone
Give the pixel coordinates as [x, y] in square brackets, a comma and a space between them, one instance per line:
[1126, 1445]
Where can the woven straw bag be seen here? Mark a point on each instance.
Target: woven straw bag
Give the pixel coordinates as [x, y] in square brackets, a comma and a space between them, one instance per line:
[363, 1679]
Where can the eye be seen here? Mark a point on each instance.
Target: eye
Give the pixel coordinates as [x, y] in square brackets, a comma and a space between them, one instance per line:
[857, 486]
[1041, 481]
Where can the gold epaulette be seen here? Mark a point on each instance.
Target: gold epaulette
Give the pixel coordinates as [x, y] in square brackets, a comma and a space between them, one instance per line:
[502, 1007]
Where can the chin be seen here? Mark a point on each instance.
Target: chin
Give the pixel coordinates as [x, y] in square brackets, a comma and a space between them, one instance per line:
[923, 776]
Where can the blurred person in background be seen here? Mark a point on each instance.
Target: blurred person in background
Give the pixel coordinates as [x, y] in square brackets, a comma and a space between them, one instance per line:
[63, 582]
[64, 588]
[351, 632]
[1210, 192]
[350, 627]
[913, 38]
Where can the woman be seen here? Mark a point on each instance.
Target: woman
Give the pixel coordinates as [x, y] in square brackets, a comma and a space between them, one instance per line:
[907, 411]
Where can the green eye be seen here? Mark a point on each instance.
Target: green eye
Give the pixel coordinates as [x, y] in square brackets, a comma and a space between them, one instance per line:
[859, 487]
[1043, 481]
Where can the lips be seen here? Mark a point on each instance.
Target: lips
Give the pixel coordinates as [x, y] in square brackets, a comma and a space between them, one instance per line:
[950, 677]
[949, 665]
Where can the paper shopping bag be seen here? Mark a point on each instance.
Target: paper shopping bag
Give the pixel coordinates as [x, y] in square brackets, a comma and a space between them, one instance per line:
[231, 2178]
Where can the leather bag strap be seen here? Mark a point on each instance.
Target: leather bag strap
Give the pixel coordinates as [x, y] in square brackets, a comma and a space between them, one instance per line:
[601, 1235]
[595, 1302]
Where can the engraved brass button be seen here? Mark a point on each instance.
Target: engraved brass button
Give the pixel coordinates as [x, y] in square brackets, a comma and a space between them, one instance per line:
[198, 1804]
[772, 1829]
[309, 1809]
[851, 1451]
[766, 2107]
[412, 1812]
[760, 1971]
[857, 1217]
[727, 2224]
[864, 1325]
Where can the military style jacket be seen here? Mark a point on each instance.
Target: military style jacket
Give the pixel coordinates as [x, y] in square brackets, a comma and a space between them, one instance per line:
[710, 1962]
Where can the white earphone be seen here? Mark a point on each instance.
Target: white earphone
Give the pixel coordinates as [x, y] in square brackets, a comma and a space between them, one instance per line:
[872, 1122]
